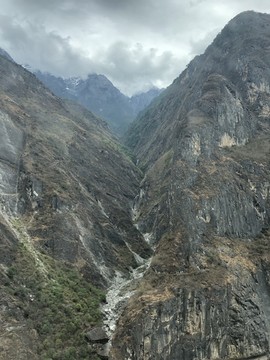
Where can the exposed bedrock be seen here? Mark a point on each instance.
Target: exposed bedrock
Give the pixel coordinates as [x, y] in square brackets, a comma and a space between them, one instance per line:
[204, 204]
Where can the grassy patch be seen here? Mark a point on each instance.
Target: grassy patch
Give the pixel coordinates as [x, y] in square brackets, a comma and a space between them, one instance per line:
[120, 148]
[59, 304]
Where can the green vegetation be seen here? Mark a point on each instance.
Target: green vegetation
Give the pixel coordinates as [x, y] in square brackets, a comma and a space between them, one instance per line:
[120, 148]
[57, 302]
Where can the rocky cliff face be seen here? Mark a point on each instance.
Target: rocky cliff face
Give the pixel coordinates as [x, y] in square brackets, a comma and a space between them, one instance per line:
[100, 96]
[51, 151]
[204, 205]
[75, 211]
[66, 192]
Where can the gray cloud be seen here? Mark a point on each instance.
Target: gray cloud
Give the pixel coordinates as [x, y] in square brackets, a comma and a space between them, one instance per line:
[32, 44]
[135, 43]
[199, 45]
[143, 67]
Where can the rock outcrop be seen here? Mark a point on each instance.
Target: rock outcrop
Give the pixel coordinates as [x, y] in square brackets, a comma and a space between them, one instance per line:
[204, 147]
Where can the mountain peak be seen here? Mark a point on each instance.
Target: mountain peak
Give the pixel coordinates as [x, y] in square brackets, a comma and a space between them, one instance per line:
[98, 94]
[248, 17]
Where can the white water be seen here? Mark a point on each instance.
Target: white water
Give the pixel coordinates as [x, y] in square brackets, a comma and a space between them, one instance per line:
[123, 287]
[139, 260]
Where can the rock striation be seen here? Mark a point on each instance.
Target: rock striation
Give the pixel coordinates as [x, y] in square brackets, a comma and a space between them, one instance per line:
[66, 192]
[204, 146]
[52, 151]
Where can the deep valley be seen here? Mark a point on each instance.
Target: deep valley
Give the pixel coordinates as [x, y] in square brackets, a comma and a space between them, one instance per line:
[153, 248]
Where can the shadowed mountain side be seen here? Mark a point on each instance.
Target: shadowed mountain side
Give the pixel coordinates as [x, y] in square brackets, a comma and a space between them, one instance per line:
[66, 194]
[205, 205]
[66, 173]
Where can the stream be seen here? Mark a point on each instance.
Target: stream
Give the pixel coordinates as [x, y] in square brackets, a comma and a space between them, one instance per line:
[123, 287]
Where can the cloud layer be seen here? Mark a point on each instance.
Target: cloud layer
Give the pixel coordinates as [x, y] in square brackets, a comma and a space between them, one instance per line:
[135, 43]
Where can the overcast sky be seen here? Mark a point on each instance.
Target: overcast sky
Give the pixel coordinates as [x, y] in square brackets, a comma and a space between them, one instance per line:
[137, 44]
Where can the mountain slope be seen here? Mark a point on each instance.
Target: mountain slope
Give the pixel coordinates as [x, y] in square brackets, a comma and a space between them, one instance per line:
[73, 209]
[100, 96]
[205, 206]
[5, 54]
[140, 101]
[66, 193]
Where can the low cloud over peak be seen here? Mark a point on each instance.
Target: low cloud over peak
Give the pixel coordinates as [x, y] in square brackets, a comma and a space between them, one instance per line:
[136, 44]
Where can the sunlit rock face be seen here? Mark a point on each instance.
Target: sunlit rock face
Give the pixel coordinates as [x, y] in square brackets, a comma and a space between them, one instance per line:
[205, 150]
[11, 140]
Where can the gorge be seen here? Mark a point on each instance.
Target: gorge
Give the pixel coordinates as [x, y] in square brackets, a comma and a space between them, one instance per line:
[173, 226]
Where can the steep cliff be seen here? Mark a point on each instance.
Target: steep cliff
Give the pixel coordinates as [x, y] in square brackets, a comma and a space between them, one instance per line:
[77, 214]
[205, 207]
[66, 192]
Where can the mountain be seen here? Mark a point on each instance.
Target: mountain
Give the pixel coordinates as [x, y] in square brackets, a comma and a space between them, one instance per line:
[166, 260]
[5, 54]
[100, 96]
[141, 100]
[66, 193]
[204, 146]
